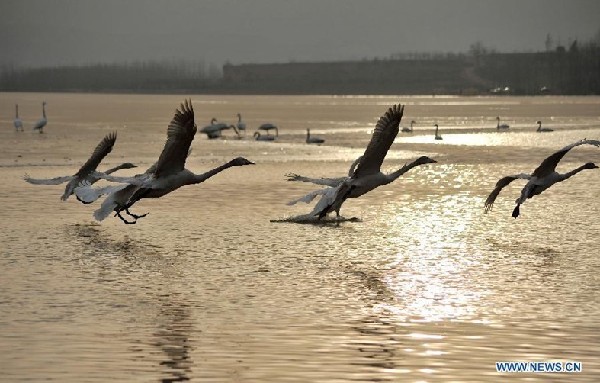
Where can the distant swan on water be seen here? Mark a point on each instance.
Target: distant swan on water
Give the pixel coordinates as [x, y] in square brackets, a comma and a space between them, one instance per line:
[87, 172]
[437, 133]
[166, 175]
[542, 178]
[540, 129]
[215, 129]
[241, 125]
[501, 126]
[367, 175]
[17, 121]
[39, 126]
[263, 137]
[409, 129]
[313, 140]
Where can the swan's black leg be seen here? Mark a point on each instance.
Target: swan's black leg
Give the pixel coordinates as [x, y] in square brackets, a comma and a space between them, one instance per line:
[134, 215]
[118, 214]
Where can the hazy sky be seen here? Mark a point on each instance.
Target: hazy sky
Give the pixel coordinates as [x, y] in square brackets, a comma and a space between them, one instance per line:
[50, 32]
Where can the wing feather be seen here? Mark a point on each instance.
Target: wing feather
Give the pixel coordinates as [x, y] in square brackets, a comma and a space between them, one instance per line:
[385, 132]
[549, 164]
[180, 134]
[102, 149]
[501, 184]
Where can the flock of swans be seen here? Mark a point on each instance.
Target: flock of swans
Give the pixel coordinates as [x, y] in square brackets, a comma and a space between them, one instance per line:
[169, 173]
[39, 125]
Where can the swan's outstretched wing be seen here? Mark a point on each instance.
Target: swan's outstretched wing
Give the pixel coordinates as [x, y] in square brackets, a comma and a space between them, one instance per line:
[549, 164]
[88, 194]
[489, 202]
[385, 132]
[332, 182]
[180, 134]
[309, 197]
[48, 181]
[102, 149]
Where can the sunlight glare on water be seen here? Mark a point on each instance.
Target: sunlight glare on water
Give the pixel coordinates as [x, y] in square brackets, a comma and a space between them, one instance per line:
[423, 287]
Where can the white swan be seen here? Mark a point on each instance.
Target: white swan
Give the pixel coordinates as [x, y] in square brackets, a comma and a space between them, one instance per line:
[331, 182]
[215, 129]
[17, 121]
[268, 127]
[263, 137]
[87, 172]
[540, 129]
[313, 140]
[241, 125]
[501, 126]
[542, 178]
[166, 175]
[437, 133]
[408, 129]
[42, 121]
[367, 175]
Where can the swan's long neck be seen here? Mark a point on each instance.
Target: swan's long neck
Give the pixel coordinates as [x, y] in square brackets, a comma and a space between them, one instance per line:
[394, 175]
[44, 110]
[198, 178]
[16, 111]
[539, 126]
[239, 118]
[112, 170]
[571, 173]
[307, 134]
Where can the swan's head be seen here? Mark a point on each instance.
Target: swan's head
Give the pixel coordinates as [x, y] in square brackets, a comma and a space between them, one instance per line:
[256, 134]
[539, 122]
[436, 125]
[590, 165]
[498, 118]
[128, 165]
[212, 122]
[240, 161]
[425, 160]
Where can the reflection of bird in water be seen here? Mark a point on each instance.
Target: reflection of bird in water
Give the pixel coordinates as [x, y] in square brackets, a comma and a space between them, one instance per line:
[313, 140]
[175, 327]
[540, 129]
[437, 133]
[542, 178]
[166, 175]
[43, 121]
[367, 175]
[87, 172]
[17, 121]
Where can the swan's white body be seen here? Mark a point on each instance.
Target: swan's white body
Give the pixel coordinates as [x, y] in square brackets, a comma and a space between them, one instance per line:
[543, 177]
[39, 126]
[87, 173]
[313, 140]
[17, 121]
[365, 175]
[540, 129]
[500, 126]
[166, 175]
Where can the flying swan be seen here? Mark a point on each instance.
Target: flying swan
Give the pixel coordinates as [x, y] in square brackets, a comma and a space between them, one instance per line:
[542, 178]
[166, 175]
[87, 172]
[367, 175]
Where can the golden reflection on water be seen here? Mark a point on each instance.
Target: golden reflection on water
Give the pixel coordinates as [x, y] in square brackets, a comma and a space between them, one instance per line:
[424, 287]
